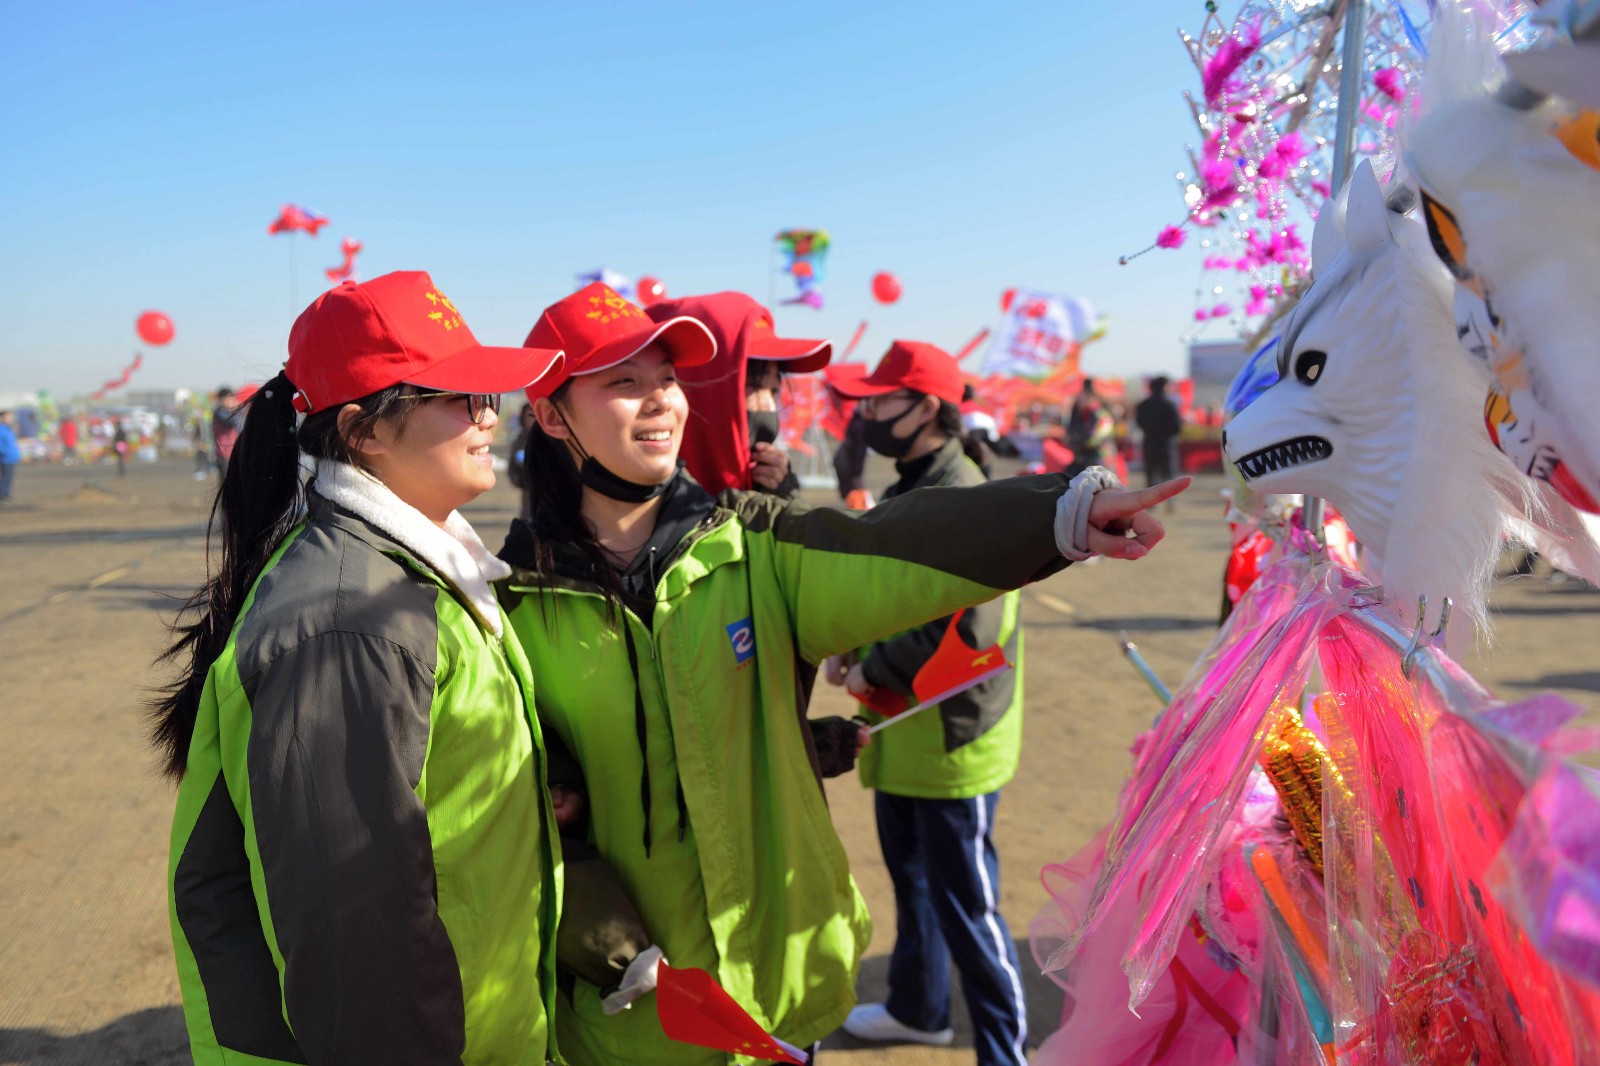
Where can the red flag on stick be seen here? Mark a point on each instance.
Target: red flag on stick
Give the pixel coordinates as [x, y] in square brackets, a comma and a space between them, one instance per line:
[855, 339]
[954, 667]
[694, 1009]
[966, 349]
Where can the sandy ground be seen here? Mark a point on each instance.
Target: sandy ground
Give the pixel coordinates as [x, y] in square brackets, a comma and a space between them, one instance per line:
[91, 564]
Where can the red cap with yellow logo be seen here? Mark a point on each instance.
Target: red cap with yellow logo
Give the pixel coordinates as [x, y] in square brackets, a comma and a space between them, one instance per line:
[599, 329]
[399, 329]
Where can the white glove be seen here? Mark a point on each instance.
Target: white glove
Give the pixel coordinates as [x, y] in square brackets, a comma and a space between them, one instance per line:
[1072, 511]
[637, 980]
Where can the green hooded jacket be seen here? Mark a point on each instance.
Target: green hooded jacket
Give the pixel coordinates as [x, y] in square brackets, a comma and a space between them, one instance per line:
[363, 863]
[701, 795]
[970, 744]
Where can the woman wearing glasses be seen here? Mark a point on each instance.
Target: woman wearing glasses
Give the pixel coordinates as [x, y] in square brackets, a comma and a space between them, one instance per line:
[363, 850]
[666, 626]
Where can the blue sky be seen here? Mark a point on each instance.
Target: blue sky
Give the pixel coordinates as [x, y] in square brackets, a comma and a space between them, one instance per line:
[504, 148]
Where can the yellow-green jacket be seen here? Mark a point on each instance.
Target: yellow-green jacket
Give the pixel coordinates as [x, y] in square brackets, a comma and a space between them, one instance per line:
[700, 791]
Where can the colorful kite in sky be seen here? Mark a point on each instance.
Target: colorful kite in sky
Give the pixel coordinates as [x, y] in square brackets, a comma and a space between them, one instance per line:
[805, 254]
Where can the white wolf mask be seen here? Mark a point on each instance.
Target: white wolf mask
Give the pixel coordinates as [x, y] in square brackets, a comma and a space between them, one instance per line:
[1377, 411]
[1511, 198]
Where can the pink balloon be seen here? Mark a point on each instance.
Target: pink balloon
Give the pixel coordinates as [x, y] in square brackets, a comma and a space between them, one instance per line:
[885, 287]
[154, 328]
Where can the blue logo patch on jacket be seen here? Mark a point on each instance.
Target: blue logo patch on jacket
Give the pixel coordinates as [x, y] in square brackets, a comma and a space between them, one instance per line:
[742, 634]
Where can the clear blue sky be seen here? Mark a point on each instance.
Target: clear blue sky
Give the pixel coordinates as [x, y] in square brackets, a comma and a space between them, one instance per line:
[504, 148]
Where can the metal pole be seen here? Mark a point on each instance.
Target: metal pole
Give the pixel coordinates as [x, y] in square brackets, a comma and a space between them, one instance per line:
[1352, 71]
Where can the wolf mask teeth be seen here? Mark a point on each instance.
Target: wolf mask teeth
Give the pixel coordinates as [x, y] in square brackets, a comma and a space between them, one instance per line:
[1284, 454]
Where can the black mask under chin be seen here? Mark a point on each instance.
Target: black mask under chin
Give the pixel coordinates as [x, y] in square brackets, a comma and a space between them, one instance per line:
[598, 477]
[595, 475]
[881, 439]
[763, 427]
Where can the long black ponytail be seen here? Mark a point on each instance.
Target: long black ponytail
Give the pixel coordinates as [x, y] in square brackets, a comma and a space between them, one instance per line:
[260, 500]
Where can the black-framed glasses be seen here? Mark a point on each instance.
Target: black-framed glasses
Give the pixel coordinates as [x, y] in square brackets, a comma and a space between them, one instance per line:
[477, 402]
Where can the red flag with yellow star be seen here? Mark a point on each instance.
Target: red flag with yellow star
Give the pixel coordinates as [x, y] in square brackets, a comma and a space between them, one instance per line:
[694, 1009]
[954, 667]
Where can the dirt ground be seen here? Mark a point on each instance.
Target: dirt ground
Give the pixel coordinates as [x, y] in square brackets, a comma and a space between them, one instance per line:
[91, 564]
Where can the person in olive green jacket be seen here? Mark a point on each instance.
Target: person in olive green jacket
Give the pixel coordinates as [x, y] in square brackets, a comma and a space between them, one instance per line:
[665, 627]
[938, 773]
[364, 866]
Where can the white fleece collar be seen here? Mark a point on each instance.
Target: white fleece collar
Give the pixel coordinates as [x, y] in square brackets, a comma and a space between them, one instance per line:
[454, 553]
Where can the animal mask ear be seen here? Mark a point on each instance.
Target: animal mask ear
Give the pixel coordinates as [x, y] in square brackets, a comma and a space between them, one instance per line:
[1445, 234]
[1327, 238]
[1366, 217]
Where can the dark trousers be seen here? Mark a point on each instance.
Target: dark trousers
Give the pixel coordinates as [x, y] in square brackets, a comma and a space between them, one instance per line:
[941, 858]
[7, 472]
[1160, 461]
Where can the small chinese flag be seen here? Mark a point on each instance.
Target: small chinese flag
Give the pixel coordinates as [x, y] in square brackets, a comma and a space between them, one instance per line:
[954, 667]
[694, 1009]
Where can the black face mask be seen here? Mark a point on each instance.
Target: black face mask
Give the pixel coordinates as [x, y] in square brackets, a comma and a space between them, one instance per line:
[763, 427]
[880, 436]
[595, 475]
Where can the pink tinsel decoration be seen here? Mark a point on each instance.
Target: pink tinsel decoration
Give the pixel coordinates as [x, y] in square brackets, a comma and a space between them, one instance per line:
[1170, 237]
[1260, 301]
[1321, 189]
[1228, 59]
[1216, 174]
[1391, 83]
[1200, 314]
[1221, 311]
[1284, 157]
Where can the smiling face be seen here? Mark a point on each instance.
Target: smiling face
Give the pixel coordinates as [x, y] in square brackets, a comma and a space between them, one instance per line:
[434, 459]
[629, 417]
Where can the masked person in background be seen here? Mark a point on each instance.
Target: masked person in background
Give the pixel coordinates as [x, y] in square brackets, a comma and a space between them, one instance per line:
[938, 774]
[665, 626]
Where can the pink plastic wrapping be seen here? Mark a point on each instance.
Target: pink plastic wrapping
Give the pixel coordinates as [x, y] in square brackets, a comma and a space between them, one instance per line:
[1427, 965]
[1457, 917]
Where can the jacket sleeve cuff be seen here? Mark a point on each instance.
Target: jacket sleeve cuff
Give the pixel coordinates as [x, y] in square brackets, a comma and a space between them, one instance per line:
[1072, 511]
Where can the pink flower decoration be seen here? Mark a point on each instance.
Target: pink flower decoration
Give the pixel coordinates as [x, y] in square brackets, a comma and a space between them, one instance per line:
[1170, 237]
[1284, 157]
[1221, 311]
[1391, 83]
[1200, 314]
[1216, 174]
[1321, 189]
[1214, 77]
[1259, 303]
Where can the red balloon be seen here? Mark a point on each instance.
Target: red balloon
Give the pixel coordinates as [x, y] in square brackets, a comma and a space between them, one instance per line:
[154, 328]
[650, 290]
[885, 287]
[1006, 298]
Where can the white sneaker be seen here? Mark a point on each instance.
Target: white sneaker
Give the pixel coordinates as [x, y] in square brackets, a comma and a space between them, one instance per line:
[872, 1021]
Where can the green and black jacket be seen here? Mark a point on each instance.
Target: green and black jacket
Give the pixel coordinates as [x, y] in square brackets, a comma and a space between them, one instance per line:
[364, 866]
[681, 710]
[969, 745]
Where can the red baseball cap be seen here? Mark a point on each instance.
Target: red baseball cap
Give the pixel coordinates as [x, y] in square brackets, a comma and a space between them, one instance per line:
[598, 328]
[732, 316]
[399, 329]
[909, 365]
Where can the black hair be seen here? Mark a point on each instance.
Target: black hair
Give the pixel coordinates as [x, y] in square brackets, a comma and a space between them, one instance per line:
[949, 422]
[555, 502]
[260, 500]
